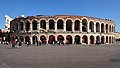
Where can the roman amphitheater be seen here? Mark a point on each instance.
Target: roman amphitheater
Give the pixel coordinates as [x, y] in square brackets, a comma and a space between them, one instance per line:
[70, 28]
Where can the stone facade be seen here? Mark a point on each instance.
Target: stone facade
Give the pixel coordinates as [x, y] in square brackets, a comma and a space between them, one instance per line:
[7, 23]
[73, 29]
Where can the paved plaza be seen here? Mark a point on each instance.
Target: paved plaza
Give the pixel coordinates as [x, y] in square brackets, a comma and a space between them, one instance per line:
[73, 56]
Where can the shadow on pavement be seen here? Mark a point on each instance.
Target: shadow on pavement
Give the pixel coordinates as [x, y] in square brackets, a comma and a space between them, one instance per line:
[115, 60]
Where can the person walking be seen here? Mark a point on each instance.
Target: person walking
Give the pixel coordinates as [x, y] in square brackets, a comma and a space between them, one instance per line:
[13, 43]
[20, 44]
[28, 43]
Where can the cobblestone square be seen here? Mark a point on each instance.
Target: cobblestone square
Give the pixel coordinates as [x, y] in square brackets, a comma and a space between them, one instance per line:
[72, 56]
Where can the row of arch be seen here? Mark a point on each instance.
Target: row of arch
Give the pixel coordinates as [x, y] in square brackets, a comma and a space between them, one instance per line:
[68, 25]
[77, 39]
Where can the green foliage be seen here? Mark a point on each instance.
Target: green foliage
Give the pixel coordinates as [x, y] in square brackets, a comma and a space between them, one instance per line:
[2, 34]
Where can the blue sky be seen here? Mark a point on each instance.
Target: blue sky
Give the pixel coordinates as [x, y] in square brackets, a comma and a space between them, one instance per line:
[106, 9]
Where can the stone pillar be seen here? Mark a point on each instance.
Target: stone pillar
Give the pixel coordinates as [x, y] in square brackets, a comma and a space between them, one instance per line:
[88, 39]
[94, 28]
[81, 39]
[73, 25]
[24, 28]
[80, 26]
[38, 38]
[105, 28]
[108, 28]
[87, 27]
[55, 26]
[73, 39]
[47, 38]
[38, 27]
[100, 28]
[104, 39]
[30, 27]
[64, 39]
[94, 39]
[24, 39]
[31, 40]
[56, 38]
[47, 26]
[65, 26]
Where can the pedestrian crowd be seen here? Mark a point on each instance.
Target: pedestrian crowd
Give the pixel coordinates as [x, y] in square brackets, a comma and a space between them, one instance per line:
[18, 43]
[15, 43]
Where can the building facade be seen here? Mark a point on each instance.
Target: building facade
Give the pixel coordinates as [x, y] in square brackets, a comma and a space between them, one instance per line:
[70, 28]
[7, 23]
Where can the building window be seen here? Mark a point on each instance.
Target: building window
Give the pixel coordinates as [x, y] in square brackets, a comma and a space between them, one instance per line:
[34, 25]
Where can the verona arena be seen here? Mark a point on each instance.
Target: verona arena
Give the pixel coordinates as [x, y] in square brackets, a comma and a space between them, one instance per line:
[70, 28]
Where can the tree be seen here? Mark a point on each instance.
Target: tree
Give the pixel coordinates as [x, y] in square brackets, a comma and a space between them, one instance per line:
[2, 34]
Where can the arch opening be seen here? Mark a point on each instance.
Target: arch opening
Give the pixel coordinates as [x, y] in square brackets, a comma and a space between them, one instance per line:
[27, 39]
[27, 26]
[85, 39]
[68, 25]
[77, 25]
[77, 39]
[69, 39]
[12, 27]
[97, 27]
[51, 39]
[91, 26]
[43, 39]
[34, 25]
[92, 39]
[102, 40]
[102, 28]
[110, 28]
[106, 39]
[60, 24]
[51, 24]
[21, 25]
[97, 40]
[43, 24]
[34, 39]
[110, 40]
[84, 25]
[16, 26]
[106, 28]
[60, 38]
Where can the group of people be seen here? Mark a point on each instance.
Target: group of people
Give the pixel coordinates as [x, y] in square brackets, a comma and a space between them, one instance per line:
[98, 42]
[14, 42]
[38, 43]
[60, 42]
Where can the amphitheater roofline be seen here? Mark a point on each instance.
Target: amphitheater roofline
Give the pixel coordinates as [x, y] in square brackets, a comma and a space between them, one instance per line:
[62, 16]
